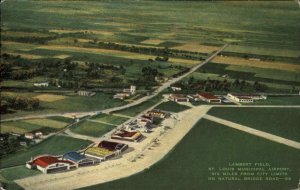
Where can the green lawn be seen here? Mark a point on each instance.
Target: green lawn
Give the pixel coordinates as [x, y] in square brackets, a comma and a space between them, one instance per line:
[14, 126]
[91, 128]
[211, 145]
[283, 122]
[172, 107]
[280, 100]
[135, 110]
[63, 119]
[11, 174]
[71, 103]
[112, 119]
[54, 145]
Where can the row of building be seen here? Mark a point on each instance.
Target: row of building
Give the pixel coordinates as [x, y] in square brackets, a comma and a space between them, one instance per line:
[211, 98]
[73, 160]
[96, 154]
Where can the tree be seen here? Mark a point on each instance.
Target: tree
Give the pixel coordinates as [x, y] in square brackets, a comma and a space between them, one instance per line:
[191, 80]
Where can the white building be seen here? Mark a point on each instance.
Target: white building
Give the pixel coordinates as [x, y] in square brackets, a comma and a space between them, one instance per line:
[86, 93]
[131, 89]
[246, 98]
[41, 84]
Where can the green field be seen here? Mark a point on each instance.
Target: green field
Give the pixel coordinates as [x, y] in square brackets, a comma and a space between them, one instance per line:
[23, 126]
[112, 119]
[18, 172]
[54, 145]
[91, 128]
[212, 145]
[172, 107]
[283, 122]
[280, 100]
[8, 175]
[151, 22]
[135, 110]
[71, 102]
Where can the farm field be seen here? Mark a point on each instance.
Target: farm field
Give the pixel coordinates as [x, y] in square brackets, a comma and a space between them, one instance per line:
[23, 126]
[179, 166]
[91, 128]
[76, 38]
[197, 48]
[257, 63]
[52, 145]
[275, 79]
[283, 122]
[112, 119]
[171, 106]
[70, 102]
[146, 28]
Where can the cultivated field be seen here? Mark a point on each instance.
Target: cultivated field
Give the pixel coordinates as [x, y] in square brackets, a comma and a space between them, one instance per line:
[47, 123]
[23, 126]
[50, 97]
[257, 63]
[152, 42]
[195, 47]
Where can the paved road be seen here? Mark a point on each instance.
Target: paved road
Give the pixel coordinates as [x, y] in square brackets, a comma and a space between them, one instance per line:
[139, 101]
[255, 132]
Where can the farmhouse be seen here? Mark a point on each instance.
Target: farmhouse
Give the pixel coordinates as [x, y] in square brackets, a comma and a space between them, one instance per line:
[246, 98]
[106, 150]
[126, 92]
[176, 88]
[85, 93]
[29, 136]
[209, 97]
[178, 98]
[131, 90]
[127, 136]
[50, 164]
[80, 159]
[121, 96]
[41, 84]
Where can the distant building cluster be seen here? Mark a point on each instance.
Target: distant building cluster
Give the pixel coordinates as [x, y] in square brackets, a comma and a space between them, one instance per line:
[95, 154]
[211, 98]
[41, 84]
[86, 93]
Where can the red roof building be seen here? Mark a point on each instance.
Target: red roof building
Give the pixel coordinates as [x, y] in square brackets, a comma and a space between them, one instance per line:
[209, 97]
[50, 164]
[178, 98]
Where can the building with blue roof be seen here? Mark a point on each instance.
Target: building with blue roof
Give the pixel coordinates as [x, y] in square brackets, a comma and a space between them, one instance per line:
[80, 159]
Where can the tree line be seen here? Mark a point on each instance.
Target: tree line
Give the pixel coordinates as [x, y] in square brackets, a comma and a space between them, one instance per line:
[18, 103]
